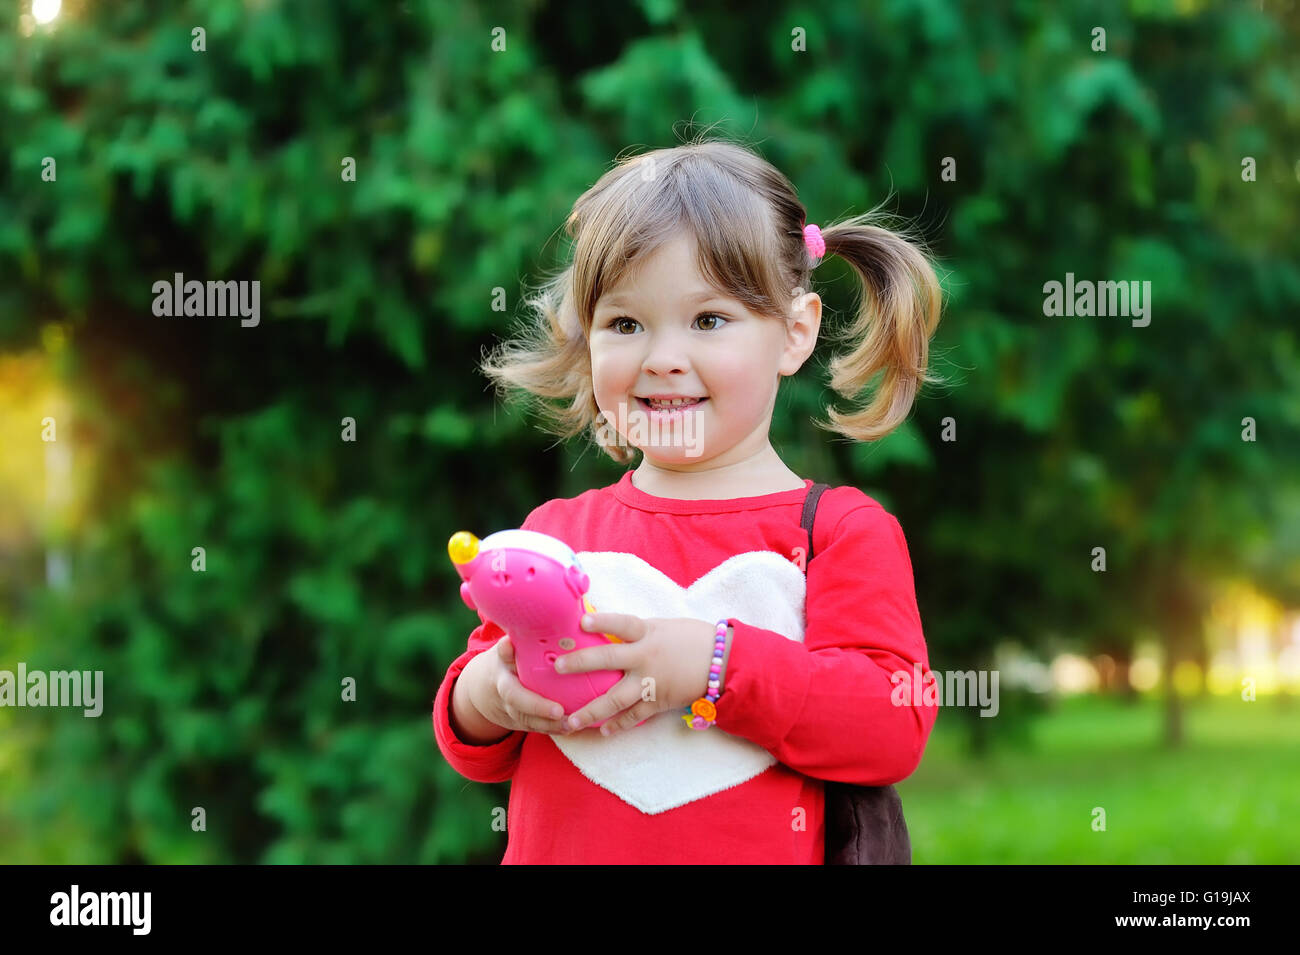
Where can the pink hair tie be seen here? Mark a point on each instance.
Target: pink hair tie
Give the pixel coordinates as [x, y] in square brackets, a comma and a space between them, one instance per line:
[812, 237]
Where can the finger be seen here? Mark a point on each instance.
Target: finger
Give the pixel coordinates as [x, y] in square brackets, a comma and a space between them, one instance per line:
[519, 704]
[625, 626]
[605, 656]
[506, 652]
[628, 718]
[626, 692]
[535, 710]
[530, 722]
[610, 656]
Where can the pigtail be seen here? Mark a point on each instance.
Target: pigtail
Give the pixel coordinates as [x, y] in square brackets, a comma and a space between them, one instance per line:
[890, 334]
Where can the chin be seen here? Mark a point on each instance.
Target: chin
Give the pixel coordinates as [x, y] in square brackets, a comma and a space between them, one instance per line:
[672, 456]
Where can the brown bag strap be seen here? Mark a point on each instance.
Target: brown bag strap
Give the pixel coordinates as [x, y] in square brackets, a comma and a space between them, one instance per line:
[864, 824]
[810, 516]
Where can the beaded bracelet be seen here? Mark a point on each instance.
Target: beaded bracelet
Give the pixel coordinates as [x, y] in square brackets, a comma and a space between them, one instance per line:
[703, 713]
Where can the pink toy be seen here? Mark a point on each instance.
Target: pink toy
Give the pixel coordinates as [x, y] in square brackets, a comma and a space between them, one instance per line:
[532, 586]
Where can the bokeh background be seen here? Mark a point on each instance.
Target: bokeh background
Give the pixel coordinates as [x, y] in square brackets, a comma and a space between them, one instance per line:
[473, 127]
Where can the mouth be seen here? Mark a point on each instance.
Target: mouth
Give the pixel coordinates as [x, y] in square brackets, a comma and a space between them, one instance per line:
[679, 406]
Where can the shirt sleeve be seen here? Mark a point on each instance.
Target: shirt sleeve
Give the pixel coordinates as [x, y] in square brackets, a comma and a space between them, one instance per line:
[494, 762]
[826, 707]
[491, 763]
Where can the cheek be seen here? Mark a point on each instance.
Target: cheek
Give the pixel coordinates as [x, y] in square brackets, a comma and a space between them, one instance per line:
[608, 376]
[599, 365]
[734, 378]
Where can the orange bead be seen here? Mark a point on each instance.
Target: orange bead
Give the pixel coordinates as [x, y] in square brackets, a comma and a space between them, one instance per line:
[705, 709]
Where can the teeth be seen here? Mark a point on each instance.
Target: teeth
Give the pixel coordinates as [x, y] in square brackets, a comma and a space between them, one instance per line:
[675, 403]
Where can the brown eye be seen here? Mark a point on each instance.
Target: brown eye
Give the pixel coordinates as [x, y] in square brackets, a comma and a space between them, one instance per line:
[707, 316]
[618, 322]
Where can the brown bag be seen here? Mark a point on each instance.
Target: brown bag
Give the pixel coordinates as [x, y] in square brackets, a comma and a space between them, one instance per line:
[864, 824]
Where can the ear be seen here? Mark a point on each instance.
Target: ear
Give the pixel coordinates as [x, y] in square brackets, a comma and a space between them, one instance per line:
[801, 329]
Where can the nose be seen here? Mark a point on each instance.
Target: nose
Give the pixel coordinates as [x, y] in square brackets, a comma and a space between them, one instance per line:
[665, 355]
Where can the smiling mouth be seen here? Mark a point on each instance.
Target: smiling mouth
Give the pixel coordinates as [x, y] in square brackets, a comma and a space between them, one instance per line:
[660, 408]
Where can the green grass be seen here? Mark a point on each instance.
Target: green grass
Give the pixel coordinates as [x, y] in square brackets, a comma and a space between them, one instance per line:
[1230, 794]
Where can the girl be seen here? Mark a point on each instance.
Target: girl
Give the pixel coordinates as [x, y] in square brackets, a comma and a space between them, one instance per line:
[684, 306]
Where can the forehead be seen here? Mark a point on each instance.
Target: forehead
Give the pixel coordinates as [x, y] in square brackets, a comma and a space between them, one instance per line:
[690, 297]
[675, 262]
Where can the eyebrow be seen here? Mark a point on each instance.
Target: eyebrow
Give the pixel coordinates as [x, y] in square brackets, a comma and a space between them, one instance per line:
[705, 296]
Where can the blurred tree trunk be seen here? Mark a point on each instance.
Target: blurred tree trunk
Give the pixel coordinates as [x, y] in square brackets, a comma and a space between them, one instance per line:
[1181, 624]
[1118, 682]
[1201, 654]
[1173, 705]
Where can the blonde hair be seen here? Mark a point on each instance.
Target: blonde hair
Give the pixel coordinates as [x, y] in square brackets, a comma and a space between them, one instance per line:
[748, 224]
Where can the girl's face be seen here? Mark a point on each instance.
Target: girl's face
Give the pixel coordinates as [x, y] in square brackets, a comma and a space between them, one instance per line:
[666, 331]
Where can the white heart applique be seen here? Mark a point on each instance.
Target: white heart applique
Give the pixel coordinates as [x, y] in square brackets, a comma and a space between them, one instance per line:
[663, 764]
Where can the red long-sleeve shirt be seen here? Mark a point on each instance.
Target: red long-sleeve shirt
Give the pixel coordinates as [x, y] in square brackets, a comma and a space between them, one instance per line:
[823, 695]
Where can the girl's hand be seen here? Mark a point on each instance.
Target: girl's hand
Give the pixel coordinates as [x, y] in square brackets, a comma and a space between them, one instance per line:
[665, 663]
[501, 699]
